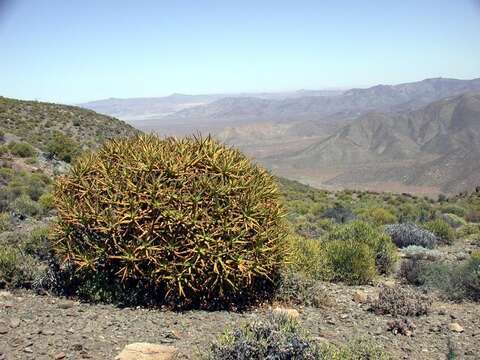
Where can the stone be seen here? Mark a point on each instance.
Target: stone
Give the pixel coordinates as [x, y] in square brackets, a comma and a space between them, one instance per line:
[14, 323]
[291, 313]
[360, 297]
[455, 327]
[147, 351]
[66, 304]
[60, 355]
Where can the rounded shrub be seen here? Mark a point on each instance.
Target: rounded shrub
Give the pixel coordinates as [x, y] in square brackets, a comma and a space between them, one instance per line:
[357, 251]
[441, 230]
[191, 218]
[404, 235]
[377, 216]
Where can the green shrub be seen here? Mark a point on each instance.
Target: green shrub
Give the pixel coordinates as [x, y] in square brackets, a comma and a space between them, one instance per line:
[441, 230]
[377, 216]
[350, 261]
[380, 244]
[21, 149]
[456, 281]
[25, 206]
[36, 244]
[46, 201]
[17, 269]
[62, 147]
[453, 220]
[307, 257]
[453, 209]
[192, 217]
[5, 222]
[468, 230]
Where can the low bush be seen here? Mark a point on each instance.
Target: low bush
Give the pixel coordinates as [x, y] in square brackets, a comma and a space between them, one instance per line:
[420, 253]
[473, 216]
[297, 289]
[24, 206]
[453, 220]
[360, 233]
[21, 149]
[441, 230]
[16, 268]
[404, 235]
[339, 214]
[377, 216]
[62, 147]
[460, 211]
[401, 301]
[307, 257]
[280, 338]
[350, 262]
[411, 271]
[456, 281]
[5, 221]
[468, 230]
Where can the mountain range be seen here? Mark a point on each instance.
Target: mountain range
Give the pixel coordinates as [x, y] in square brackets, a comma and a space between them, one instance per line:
[414, 137]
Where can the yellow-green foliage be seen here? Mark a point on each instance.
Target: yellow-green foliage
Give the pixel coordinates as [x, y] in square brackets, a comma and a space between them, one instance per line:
[355, 250]
[377, 216]
[442, 230]
[350, 261]
[307, 257]
[191, 215]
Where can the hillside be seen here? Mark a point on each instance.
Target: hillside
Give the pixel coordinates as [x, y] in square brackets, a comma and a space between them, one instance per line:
[37, 122]
[436, 146]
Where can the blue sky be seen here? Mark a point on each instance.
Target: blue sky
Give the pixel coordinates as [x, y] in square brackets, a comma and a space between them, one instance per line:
[79, 50]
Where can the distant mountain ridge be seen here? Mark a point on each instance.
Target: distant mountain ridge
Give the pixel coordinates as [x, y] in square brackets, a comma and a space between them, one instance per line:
[437, 145]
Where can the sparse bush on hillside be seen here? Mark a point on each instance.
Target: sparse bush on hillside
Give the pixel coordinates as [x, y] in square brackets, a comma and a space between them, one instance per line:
[411, 213]
[456, 281]
[192, 218]
[453, 209]
[307, 256]
[473, 216]
[377, 216]
[16, 269]
[441, 230]
[404, 235]
[358, 232]
[21, 149]
[453, 220]
[296, 289]
[5, 221]
[62, 147]
[419, 252]
[401, 301]
[339, 214]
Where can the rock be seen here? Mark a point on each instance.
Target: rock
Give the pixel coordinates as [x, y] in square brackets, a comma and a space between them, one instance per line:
[60, 355]
[455, 327]
[291, 313]
[5, 294]
[360, 297]
[146, 351]
[66, 304]
[14, 323]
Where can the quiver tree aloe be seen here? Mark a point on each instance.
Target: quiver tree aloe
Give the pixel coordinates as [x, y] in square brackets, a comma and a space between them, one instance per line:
[190, 216]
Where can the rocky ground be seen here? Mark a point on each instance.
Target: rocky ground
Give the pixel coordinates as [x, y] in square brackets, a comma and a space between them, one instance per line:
[45, 327]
